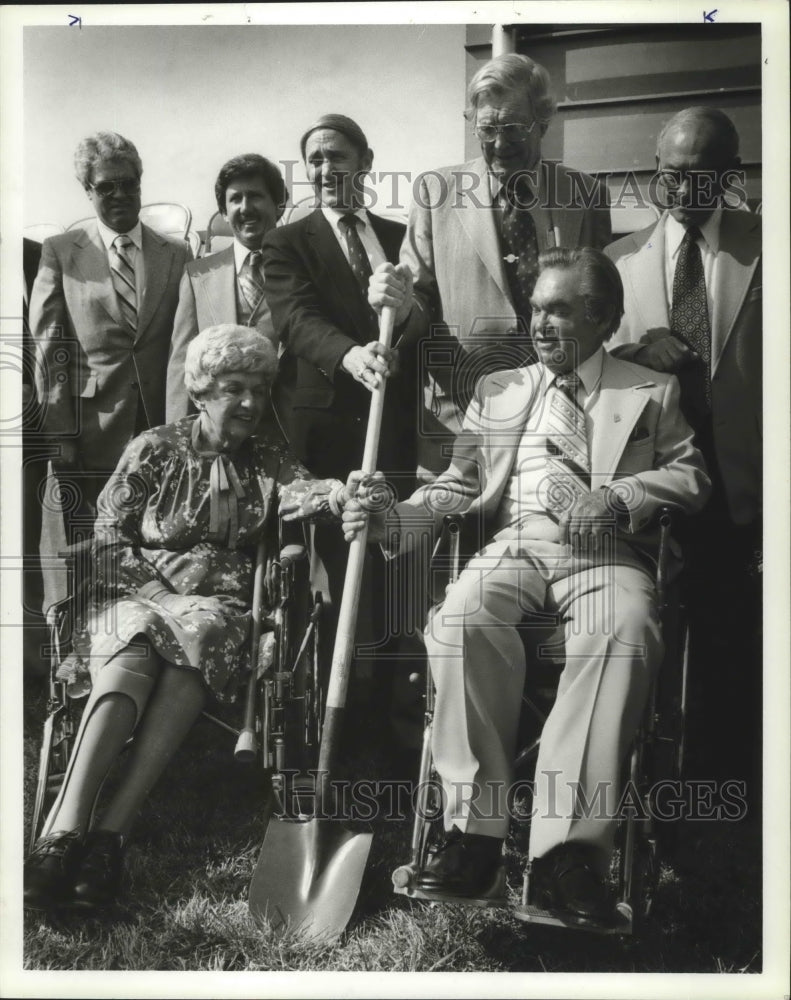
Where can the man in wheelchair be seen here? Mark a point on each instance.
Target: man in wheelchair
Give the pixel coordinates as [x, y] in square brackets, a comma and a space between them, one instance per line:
[564, 465]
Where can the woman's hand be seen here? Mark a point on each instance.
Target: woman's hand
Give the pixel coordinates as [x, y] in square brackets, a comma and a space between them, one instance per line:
[391, 285]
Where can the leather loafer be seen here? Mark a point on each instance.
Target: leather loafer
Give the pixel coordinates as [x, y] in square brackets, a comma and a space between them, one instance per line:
[50, 868]
[99, 877]
[566, 879]
[463, 865]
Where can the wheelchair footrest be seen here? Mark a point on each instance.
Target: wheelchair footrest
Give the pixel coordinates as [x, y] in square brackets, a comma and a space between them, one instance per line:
[621, 922]
[404, 878]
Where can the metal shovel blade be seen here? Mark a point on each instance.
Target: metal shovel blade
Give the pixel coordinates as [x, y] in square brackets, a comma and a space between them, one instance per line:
[308, 876]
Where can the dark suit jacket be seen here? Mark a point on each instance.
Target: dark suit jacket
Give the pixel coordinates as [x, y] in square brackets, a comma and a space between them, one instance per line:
[319, 313]
[93, 371]
[736, 332]
[207, 297]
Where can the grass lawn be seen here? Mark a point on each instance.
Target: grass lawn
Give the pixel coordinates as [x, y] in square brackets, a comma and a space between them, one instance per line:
[196, 844]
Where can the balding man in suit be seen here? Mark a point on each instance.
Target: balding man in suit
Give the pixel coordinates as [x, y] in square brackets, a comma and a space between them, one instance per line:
[693, 306]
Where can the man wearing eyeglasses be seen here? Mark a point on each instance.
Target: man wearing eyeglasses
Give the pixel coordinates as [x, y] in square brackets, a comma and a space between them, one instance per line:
[472, 246]
[693, 306]
[101, 313]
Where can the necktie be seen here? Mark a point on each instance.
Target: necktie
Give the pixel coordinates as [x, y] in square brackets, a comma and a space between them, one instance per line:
[122, 272]
[520, 246]
[250, 280]
[689, 321]
[358, 258]
[568, 465]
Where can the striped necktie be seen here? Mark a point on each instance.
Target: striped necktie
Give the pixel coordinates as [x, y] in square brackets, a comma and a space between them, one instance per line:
[250, 280]
[122, 272]
[689, 321]
[568, 466]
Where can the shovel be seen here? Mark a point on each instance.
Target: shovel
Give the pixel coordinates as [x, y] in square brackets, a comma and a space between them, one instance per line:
[309, 872]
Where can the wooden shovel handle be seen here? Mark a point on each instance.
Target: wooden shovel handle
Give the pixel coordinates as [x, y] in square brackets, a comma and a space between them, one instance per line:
[347, 617]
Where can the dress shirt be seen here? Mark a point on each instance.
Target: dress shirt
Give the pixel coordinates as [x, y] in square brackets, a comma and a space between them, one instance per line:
[520, 508]
[542, 216]
[373, 247]
[135, 234]
[709, 243]
[240, 255]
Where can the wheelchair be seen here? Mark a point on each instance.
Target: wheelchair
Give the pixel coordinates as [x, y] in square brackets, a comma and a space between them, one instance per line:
[281, 723]
[656, 755]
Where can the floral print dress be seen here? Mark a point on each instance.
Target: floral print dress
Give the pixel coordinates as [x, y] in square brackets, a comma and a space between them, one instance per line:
[175, 521]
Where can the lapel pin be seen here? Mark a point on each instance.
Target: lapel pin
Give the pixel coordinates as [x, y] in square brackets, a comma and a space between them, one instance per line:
[617, 417]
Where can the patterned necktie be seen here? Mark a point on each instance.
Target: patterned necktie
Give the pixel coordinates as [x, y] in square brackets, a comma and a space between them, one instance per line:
[520, 246]
[689, 321]
[358, 258]
[122, 272]
[568, 466]
[250, 280]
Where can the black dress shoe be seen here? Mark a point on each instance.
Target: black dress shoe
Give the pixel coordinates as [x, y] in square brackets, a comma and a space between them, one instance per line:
[465, 864]
[99, 877]
[566, 879]
[50, 868]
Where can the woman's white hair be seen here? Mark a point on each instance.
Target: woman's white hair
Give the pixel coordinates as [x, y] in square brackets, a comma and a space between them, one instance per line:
[218, 350]
[514, 74]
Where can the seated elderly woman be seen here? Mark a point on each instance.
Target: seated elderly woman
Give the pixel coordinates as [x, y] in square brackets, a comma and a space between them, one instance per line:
[170, 600]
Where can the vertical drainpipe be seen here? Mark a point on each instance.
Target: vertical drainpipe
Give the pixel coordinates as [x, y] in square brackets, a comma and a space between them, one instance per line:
[502, 39]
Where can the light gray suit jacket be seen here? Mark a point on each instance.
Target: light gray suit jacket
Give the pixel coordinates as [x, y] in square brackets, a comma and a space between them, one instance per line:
[207, 297]
[92, 368]
[639, 440]
[736, 340]
[461, 290]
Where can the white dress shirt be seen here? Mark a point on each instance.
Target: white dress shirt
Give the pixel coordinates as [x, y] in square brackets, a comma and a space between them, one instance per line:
[135, 253]
[240, 255]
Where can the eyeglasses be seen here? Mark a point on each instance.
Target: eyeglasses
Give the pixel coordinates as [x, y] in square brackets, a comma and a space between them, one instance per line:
[674, 179]
[128, 185]
[511, 131]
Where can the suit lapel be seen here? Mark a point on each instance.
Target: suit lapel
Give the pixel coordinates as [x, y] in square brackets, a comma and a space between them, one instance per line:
[557, 191]
[218, 285]
[613, 415]
[335, 275]
[90, 257]
[479, 226]
[740, 248]
[645, 271]
[510, 397]
[157, 261]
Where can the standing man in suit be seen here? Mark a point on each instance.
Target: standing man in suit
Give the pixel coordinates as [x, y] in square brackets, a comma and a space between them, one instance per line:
[228, 287]
[101, 314]
[564, 463]
[472, 245]
[693, 307]
[317, 272]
